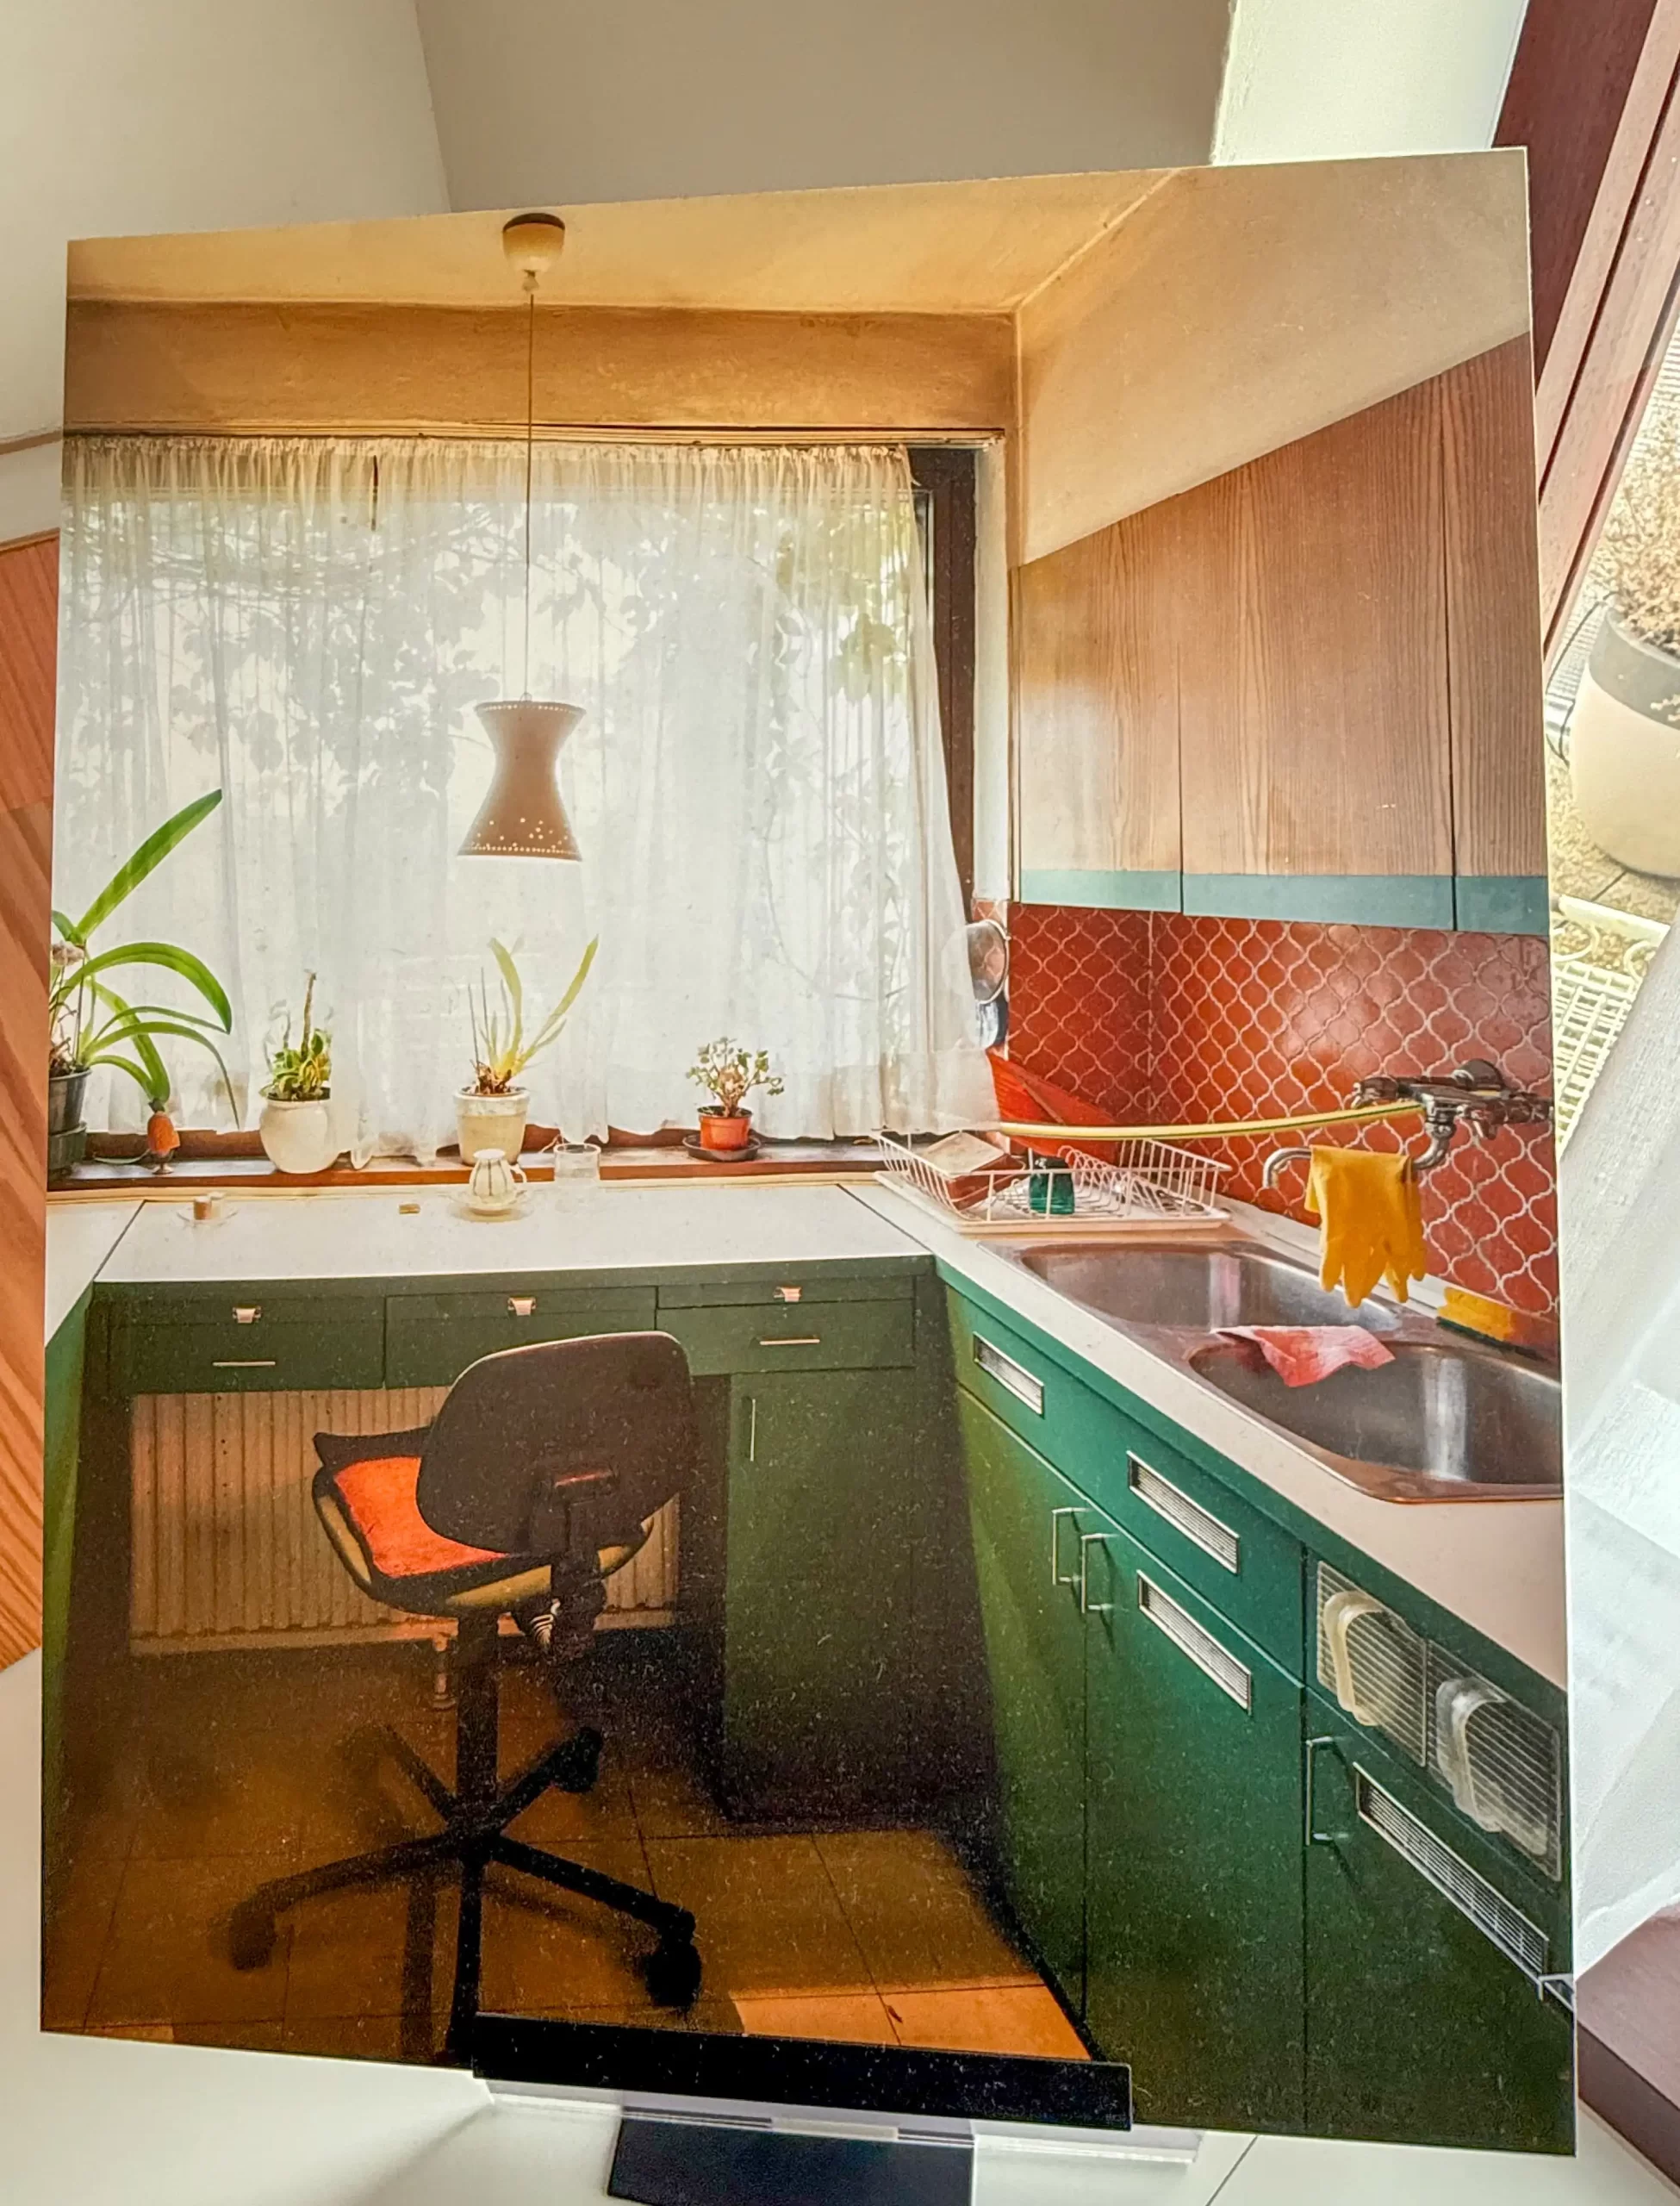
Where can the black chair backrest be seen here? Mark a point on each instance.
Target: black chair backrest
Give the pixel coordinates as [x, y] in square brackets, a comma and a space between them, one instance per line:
[506, 1458]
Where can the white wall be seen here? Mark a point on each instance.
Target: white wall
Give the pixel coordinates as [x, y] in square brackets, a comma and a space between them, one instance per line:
[1315, 80]
[551, 100]
[183, 115]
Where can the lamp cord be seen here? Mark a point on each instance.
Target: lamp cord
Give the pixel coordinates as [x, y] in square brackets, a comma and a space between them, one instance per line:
[530, 422]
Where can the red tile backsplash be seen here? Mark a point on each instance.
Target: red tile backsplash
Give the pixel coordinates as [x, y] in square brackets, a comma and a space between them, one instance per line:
[1164, 1017]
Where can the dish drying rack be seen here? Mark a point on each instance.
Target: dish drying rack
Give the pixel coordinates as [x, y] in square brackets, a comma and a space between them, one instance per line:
[1149, 1183]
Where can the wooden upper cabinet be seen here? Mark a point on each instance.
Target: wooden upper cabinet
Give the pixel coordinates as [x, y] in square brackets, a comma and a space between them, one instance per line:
[1309, 687]
[1313, 677]
[1096, 718]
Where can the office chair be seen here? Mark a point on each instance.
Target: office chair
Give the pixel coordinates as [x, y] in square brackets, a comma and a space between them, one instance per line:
[532, 1484]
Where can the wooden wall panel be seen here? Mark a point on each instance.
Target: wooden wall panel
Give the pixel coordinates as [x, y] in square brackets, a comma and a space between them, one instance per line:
[1313, 655]
[25, 852]
[1096, 702]
[1493, 614]
[29, 651]
[268, 369]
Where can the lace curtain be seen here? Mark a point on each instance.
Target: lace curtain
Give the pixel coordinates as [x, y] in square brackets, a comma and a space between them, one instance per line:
[758, 786]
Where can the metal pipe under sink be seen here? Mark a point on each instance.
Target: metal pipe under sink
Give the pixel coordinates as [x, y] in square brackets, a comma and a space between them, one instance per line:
[1447, 1419]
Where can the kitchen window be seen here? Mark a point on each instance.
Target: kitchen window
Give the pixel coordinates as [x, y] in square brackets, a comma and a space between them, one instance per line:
[760, 786]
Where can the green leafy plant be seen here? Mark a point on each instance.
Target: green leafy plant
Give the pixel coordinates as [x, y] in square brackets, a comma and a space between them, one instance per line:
[302, 1072]
[724, 1069]
[91, 1024]
[500, 1047]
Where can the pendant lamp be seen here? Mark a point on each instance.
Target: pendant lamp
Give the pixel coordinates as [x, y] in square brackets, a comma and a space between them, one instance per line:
[522, 815]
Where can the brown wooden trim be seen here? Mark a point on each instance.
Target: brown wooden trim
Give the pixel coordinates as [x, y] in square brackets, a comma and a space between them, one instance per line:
[1595, 94]
[1574, 70]
[33, 442]
[948, 476]
[1643, 2115]
[28, 543]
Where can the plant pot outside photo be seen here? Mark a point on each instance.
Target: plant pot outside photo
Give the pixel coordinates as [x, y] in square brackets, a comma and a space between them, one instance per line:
[1624, 752]
[724, 1129]
[298, 1137]
[484, 1122]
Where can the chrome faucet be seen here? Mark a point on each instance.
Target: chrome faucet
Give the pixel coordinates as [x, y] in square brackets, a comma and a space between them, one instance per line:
[1478, 1094]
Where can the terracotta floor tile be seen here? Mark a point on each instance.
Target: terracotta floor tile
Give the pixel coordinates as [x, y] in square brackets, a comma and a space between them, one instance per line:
[167, 1960]
[767, 1916]
[1006, 2018]
[350, 1951]
[545, 1950]
[915, 1915]
[351, 2037]
[74, 1937]
[853, 2017]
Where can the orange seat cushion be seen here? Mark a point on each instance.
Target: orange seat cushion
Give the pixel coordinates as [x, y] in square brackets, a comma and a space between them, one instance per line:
[379, 1494]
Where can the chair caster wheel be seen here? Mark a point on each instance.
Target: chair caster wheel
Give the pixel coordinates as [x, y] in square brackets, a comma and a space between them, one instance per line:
[674, 1974]
[250, 1937]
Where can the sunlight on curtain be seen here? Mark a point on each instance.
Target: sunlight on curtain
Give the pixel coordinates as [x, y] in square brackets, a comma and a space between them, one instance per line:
[758, 786]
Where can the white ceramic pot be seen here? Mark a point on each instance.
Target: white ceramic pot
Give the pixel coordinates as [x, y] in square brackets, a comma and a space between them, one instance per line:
[298, 1136]
[490, 1121]
[1624, 752]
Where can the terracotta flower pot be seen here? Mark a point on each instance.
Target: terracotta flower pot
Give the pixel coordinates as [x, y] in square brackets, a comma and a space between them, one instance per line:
[725, 1130]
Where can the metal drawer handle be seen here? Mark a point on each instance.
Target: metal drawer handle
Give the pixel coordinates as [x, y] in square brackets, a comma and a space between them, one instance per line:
[1087, 1606]
[789, 1293]
[247, 1313]
[1056, 1515]
[1193, 1641]
[1009, 1374]
[1175, 1506]
[795, 1340]
[521, 1305]
[244, 1363]
[1314, 1836]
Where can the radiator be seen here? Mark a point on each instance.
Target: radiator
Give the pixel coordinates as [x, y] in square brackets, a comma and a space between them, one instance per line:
[227, 1550]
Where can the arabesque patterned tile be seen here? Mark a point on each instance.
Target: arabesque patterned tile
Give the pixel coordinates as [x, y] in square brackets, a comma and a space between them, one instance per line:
[1175, 1017]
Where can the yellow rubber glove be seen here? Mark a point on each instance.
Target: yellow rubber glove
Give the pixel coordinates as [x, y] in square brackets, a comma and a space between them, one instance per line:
[1371, 1220]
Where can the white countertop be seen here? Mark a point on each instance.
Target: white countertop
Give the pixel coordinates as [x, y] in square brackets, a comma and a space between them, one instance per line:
[80, 1235]
[1498, 1565]
[88, 2119]
[573, 1227]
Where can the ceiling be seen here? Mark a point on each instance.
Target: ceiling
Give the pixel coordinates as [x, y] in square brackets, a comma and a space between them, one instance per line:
[945, 248]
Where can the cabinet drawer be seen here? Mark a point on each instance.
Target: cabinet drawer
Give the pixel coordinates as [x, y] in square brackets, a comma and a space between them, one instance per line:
[1247, 1567]
[706, 1294]
[795, 1337]
[261, 1345]
[432, 1338]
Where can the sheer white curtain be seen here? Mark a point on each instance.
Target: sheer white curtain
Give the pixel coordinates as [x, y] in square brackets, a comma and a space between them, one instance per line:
[758, 786]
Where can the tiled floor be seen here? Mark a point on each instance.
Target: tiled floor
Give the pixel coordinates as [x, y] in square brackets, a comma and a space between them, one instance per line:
[233, 1769]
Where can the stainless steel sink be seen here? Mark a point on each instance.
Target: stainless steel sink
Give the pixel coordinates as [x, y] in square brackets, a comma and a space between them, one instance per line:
[1439, 1423]
[1197, 1289]
[1447, 1420]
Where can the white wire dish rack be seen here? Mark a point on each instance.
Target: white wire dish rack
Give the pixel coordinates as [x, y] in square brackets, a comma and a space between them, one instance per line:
[1149, 1183]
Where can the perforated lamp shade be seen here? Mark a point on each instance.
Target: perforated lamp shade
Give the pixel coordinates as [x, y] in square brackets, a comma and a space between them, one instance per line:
[522, 816]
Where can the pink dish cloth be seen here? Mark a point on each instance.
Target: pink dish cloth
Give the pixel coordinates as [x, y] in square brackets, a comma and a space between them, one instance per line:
[1302, 1354]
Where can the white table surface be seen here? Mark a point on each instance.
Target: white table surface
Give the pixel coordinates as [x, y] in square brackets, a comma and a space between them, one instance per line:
[1498, 1565]
[104, 2122]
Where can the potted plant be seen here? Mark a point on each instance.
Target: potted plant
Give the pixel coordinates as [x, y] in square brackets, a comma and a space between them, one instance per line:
[1624, 735]
[91, 1024]
[724, 1069]
[296, 1124]
[490, 1112]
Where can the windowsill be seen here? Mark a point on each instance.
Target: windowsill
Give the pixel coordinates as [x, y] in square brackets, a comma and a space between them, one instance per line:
[94, 1180]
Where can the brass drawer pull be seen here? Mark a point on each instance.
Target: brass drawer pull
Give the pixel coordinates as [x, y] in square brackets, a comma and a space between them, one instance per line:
[244, 1363]
[789, 1293]
[795, 1340]
[521, 1305]
[247, 1313]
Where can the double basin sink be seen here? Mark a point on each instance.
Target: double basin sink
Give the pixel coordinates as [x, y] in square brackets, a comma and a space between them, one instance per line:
[1446, 1420]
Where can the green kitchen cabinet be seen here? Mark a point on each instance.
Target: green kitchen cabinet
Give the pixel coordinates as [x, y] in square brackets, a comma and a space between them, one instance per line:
[1193, 1823]
[1427, 2018]
[1025, 1520]
[823, 1514]
[432, 1337]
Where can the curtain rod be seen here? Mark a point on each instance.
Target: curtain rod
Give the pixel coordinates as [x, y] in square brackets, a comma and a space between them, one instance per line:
[500, 432]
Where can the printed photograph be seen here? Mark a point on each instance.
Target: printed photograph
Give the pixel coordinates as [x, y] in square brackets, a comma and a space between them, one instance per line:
[802, 1068]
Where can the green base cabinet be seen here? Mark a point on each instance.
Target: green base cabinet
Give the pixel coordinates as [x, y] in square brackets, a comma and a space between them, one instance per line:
[1023, 1519]
[1193, 1823]
[1420, 2029]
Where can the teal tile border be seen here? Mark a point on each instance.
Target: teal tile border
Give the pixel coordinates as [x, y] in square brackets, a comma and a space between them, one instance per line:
[1504, 903]
[1372, 900]
[1101, 892]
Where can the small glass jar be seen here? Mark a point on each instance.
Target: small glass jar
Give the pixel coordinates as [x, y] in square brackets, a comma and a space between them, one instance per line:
[576, 1162]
